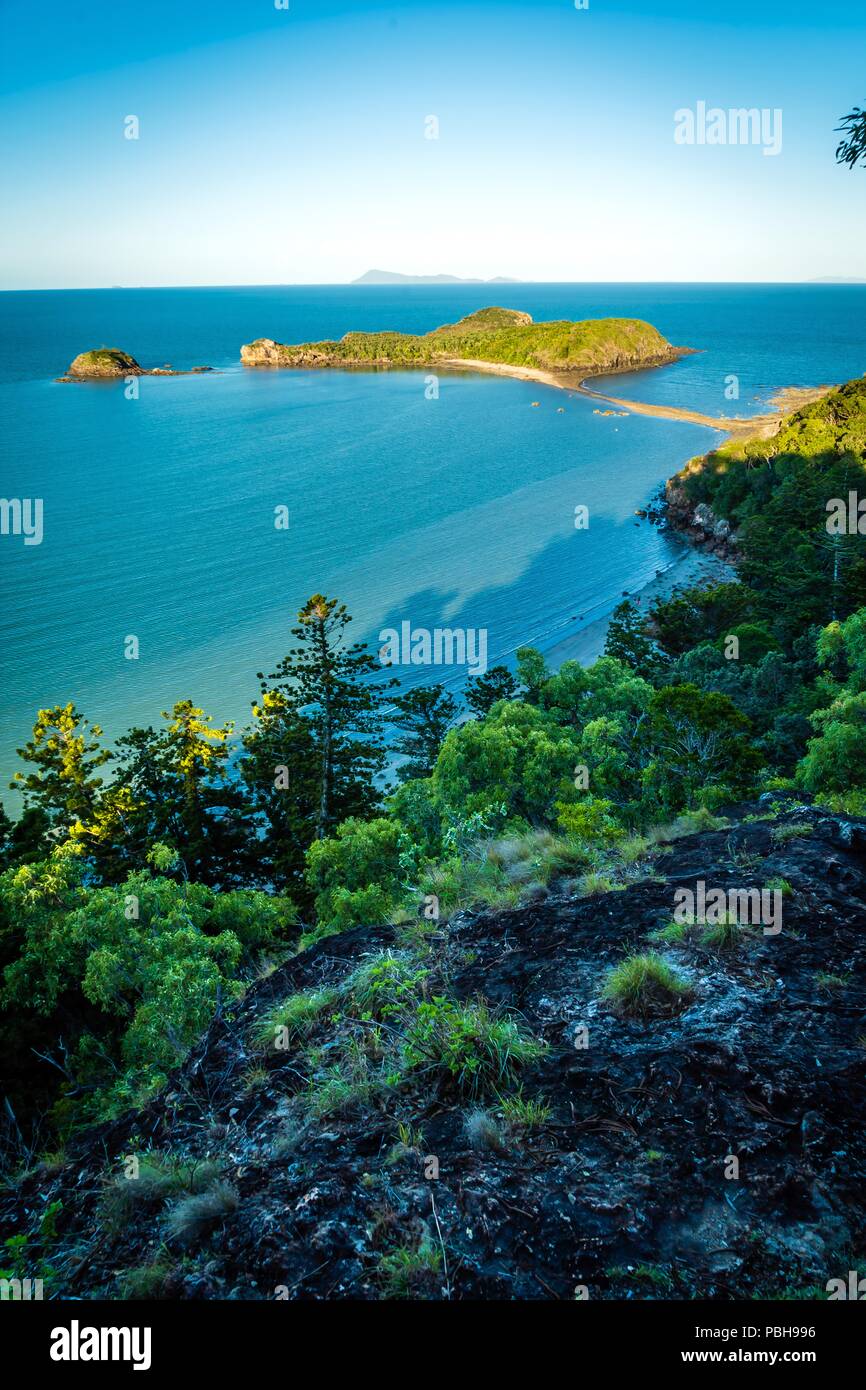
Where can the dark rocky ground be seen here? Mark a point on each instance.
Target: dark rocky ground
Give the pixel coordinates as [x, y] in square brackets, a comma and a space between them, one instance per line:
[621, 1190]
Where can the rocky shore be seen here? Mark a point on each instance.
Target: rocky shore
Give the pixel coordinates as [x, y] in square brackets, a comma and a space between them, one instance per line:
[699, 523]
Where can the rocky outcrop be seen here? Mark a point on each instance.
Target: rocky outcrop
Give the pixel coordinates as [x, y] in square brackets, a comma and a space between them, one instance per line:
[699, 523]
[104, 362]
[623, 1187]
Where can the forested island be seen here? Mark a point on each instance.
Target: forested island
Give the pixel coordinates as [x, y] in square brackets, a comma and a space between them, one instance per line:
[494, 335]
[371, 1041]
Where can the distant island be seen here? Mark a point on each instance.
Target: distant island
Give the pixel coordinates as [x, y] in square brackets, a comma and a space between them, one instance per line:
[837, 280]
[492, 339]
[393, 277]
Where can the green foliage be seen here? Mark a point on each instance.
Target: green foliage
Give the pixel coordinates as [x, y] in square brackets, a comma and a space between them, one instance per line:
[135, 971]
[628, 640]
[754, 642]
[410, 1272]
[385, 986]
[324, 686]
[517, 757]
[467, 1046]
[591, 820]
[851, 150]
[776, 491]
[524, 1112]
[358, 874]
[700, 740]
[692, 616]
[66, 754]
[295, 1017]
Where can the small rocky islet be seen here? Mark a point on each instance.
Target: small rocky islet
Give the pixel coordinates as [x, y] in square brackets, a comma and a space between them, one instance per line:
[106, 364]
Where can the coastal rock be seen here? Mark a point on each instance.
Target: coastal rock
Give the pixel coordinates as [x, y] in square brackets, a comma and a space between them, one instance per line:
[104, 362]
[699, 523]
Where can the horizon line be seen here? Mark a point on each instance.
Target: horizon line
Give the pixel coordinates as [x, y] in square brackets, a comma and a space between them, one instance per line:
[827, 281]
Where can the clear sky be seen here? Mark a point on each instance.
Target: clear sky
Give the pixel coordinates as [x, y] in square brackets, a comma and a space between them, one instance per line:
[288, 145]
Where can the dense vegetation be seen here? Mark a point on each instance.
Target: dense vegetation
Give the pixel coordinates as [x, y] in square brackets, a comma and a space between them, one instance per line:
[492, 335]
[144, 887]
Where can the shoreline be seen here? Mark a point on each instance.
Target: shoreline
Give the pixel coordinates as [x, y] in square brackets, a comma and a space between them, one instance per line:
[586, 645]
[786, 400]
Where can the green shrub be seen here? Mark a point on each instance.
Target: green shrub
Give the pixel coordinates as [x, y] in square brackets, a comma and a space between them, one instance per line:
[384, 985]
[468, 1046]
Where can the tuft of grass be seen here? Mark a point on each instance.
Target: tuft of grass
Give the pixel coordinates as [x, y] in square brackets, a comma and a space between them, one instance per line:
[160, 1177]
[782, 834]
[410, 1272]
[591, 885]
[645, 984]
[253, 1079]
[191, 1217]
[298, 1015]
[655, 1274]
[352, 1084]
[832, 984]
[148, 1280]
[522, 1113]
[671, 935]
[482, 1131]
[727, 935]
[467, 1045]
[779, 885]
[466, 882]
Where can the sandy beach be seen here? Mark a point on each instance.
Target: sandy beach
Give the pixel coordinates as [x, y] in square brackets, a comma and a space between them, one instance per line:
[586, 645]
[694, 567]
[755, 426]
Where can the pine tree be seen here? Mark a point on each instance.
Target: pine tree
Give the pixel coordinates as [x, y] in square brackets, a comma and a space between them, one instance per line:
[174, 787]
[67, 753]
[329, 685]
[279, 771]
[482, 692]
[628, 641]
[424, 716]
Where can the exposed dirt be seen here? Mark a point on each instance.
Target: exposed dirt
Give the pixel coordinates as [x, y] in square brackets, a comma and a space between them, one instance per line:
[622, 1191]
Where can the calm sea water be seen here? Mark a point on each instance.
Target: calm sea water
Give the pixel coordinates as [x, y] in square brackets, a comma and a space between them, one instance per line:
[159, 512]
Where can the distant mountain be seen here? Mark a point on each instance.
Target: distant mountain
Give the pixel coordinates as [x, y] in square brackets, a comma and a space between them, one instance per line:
[837, 280]
[393, 277]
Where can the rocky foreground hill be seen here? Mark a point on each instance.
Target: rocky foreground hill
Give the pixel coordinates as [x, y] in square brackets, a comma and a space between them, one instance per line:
[328, 1138]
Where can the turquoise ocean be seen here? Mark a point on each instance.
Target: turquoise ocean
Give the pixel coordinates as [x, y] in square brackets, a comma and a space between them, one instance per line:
[456, 511]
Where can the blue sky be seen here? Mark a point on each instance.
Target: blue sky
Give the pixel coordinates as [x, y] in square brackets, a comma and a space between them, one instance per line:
[289, 145]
